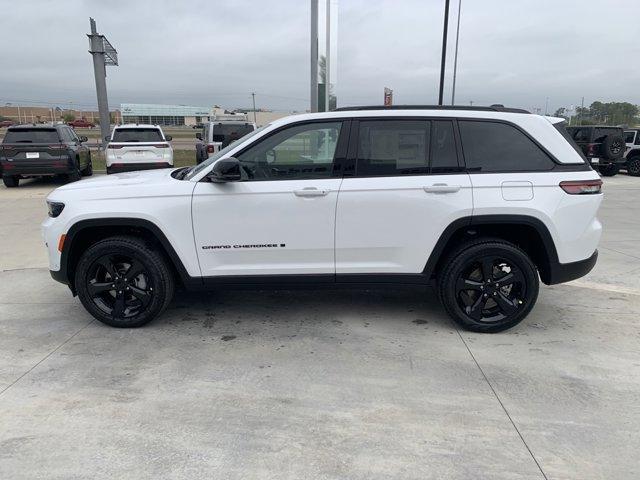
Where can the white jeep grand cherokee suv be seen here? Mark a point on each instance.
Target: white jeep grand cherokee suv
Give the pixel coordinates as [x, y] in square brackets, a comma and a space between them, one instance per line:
[138, 147]
[479, 201]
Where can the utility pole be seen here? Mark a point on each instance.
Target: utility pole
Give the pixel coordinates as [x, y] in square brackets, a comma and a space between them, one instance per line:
[103, 54]
[314, 57]
[546, 107]
[253, 96]
[444, 51]
[455, 58]
[327, 56]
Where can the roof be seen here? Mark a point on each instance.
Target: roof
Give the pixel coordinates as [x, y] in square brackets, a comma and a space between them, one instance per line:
[137, 125]
[38, 126]
[491, 108]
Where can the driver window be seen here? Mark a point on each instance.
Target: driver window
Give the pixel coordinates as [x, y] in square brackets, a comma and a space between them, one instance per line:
[299, 152]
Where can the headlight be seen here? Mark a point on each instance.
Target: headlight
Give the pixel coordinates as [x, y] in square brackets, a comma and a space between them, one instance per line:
[55, 208]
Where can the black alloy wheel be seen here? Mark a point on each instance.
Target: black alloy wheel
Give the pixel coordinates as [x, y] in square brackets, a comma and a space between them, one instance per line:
[124, 281]
[488, 285]
[119, 286]
[490, 289]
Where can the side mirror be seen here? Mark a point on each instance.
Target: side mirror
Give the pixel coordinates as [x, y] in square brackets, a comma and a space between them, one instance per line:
[199, 136]
[83, 139]
[168, 138]
[225, 170]
[107, 138]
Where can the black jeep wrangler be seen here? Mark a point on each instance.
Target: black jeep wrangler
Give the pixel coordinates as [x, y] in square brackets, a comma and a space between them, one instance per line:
[604, 146]
[43, 150]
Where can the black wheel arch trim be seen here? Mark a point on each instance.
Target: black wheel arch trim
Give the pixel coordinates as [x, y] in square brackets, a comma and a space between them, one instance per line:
[548, 272]
[64, 274]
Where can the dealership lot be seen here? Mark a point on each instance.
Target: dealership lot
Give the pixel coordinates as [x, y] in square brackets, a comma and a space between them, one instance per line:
[333, 384]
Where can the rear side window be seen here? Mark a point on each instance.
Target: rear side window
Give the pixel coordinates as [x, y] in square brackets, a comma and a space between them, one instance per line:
[566, 133]
[393, 147]
[629, 137]
[499, 147]
[32, 135]
[137, 135]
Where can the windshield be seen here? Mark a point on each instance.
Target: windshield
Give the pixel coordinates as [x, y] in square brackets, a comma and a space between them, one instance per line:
[32, 135]
[137, 135]
[198, 168]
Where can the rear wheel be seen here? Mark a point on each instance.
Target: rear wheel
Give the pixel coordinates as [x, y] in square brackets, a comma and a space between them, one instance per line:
[488, 285]
[123, 282]
[11, 181]
[88, 170]
[609, 170]
[633, 166]
[75, 174]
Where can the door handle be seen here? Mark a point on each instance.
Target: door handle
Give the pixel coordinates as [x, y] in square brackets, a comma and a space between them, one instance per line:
[442, 188]
[310, 192]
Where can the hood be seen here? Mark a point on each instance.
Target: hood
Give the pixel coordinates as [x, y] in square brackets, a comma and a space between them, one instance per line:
[126, 179]
[140, 184]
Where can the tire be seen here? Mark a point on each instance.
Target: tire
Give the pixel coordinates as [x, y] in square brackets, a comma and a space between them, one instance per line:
[490, 304]
[11, 181]
[88, 170]
[609, 170]
[613, 147]
[116, 295]
[75, 175]
[633, 166]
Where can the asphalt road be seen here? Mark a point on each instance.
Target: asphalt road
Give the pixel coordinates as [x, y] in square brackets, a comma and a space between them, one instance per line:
[366, 384]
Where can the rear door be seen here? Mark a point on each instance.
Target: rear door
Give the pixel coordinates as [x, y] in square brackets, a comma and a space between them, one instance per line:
[406, 186]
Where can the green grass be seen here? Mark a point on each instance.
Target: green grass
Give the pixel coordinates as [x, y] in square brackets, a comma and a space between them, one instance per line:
[181, 158]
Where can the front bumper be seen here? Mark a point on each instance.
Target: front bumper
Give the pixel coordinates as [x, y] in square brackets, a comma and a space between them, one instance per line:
[565, 272]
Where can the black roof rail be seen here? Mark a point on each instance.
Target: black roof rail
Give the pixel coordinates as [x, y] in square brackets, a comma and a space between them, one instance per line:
[491, 108]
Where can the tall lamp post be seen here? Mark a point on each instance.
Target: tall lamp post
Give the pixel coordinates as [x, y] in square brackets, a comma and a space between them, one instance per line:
[444, 51]
[455, 57]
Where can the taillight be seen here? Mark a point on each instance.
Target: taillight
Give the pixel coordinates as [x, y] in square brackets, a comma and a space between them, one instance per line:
[581, 187]
[59, 146]
[591, 149]
[210, 148]
[162, 145]
[112, 146]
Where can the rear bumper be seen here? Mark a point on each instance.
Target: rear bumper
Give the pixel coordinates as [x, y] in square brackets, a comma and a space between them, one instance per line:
[51, 167]
[131, 167]
[565, 272]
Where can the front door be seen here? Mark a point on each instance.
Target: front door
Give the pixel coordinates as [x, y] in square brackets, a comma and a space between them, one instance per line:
[407, 188]
[280, 218]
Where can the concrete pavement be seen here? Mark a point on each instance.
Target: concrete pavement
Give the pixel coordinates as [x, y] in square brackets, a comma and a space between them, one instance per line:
[372, 384]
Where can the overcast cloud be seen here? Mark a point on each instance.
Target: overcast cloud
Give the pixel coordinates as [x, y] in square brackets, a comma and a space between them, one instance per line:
[516, 52]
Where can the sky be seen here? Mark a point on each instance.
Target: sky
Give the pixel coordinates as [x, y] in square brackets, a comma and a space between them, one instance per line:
[197, 52]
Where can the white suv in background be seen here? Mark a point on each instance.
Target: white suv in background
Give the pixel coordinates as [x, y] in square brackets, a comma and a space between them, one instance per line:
[480, 202]
[138, 147]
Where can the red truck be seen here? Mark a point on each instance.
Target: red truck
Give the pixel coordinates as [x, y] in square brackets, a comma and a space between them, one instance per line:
[82, 123]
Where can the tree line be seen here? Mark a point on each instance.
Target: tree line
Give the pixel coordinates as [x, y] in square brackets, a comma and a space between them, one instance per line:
[602, 113]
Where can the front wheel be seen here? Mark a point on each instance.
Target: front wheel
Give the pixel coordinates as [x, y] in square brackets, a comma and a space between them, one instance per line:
[488, 285]
[609, 170]
[633, 166]
[123, 282]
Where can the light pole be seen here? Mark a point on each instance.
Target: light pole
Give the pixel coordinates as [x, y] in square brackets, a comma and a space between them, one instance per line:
[444, 51]
[253, 96]
[455, 58]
